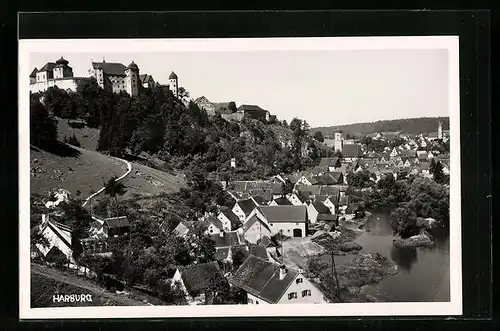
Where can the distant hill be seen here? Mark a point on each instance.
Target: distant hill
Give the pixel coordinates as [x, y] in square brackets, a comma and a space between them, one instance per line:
[408, 125]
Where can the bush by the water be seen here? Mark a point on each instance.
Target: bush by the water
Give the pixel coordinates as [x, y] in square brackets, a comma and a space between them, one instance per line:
[420, 240]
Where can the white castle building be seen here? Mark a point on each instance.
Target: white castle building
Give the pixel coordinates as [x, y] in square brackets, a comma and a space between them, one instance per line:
[111, 76]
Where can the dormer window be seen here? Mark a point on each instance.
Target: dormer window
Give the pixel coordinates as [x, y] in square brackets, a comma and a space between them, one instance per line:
[292, 295]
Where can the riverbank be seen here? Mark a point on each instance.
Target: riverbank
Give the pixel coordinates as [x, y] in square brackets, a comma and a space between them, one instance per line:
[422, 239]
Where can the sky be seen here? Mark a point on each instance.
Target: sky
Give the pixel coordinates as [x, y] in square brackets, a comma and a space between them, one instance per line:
[323, 87]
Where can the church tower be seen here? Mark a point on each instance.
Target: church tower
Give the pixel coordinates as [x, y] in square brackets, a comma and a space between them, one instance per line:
[338, 141]
[132, 79]
[174, 84]
[440, 130]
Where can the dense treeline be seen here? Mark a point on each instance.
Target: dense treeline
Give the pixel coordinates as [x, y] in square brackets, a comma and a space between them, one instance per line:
[410, 125]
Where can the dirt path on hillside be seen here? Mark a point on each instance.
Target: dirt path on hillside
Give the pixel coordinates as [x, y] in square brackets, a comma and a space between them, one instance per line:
[84, 284]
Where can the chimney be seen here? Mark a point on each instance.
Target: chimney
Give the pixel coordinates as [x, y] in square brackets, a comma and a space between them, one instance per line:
[282, 272]
[221, 234]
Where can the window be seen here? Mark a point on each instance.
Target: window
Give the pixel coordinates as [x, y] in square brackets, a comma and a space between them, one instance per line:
[306, 293]
[256, 302]
[292, 295]
[250, 301]
[299, 280]
[288, 230]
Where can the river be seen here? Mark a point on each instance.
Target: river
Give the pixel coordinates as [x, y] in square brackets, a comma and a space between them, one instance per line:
[424, 274]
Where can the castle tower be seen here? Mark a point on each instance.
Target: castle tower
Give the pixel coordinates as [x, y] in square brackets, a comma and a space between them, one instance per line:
[440, 130]
[174, 84]
[132, 79]
[338, 141]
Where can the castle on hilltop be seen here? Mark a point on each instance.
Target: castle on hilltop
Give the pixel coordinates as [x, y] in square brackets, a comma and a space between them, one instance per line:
[111, 76]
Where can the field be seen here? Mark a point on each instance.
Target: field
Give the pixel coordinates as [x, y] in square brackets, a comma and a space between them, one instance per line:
[88, 137]
[47, 282]
[71, 168]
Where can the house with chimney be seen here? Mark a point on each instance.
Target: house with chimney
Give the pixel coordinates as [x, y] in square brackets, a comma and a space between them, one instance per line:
[266, 282]
[57, 236]
[243, 208]
[229, 220]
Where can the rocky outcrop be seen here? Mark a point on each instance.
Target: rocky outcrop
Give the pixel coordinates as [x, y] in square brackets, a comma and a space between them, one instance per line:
[420, 240]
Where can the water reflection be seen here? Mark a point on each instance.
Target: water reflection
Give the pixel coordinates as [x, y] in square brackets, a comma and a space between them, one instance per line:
[404, 257]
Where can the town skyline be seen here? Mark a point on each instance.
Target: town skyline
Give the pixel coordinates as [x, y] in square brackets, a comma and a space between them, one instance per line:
[381, 77]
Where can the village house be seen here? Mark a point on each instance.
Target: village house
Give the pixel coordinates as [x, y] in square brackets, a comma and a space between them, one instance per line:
[255, 229]
[314, 209]
[297, 199]
[351, 152]
[243, 208]
[203, 103]
[307, 181]
[116, 226]
[288, 220]
[329, 201]
[330, 163]
[254, 112]
[147, 81]
[225, 243]
[195, 281]
[230, 221]
[58, 237]
[269, 283]
[281, 202]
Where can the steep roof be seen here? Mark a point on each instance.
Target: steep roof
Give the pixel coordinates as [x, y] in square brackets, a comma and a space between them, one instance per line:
[329, 161]
[284, 214]
[216, 222]
[227, 239]
[329, 190]
[33, 73]
[145, 77]
[172, 75]
[117, 222]
[198, 277]
[260, 200]
[261, 279]
[247, 205]
[110, 68]
[327, 217]
[250, 108]
[320, 207]
[251, 222]
[351, 150]
[282, 202]
[258, 251]
[231, 216]
[49, 66]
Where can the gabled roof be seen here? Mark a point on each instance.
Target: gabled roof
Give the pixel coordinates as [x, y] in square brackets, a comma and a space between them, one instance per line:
[320, 207]
[351, 150]
[228, 239]
[282, 202]
[327, 217]
[110, 68]
[33, 73]
[172, 75]
[267, 242]
[260, 200]
[117, 222]
[258, 251]
[247, 205]
[251, 222]
[198, 277]
[250, 108]
[308, 190]
[329, 161]
[261, 279]
[216, 222]
[326, 179]
[145, 78]
[183, 228]
[49, 66]
[230, 216]
[284, 214]
[329, 190]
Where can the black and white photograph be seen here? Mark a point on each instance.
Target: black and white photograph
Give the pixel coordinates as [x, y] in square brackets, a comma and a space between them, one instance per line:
[214, 176]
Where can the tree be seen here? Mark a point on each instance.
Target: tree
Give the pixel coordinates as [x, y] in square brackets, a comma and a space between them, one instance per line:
[438, 174]
[300, 130]
[404, 221]
[183, 94]
[113, 189]
[232, 107]
[318, 136]
[43, 129]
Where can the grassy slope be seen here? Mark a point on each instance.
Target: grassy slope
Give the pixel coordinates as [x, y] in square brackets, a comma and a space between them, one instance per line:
[85, 171]
[87, 137]
[46, 282]
[146, 181]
